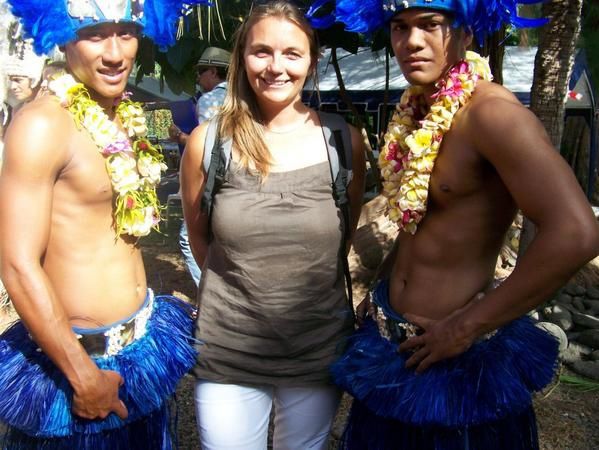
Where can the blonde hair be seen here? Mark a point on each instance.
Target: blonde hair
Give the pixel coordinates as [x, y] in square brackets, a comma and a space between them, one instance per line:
[240, 116]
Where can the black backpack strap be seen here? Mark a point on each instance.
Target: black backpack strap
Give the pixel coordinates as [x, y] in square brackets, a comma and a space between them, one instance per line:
[217, 155]
[338, 141]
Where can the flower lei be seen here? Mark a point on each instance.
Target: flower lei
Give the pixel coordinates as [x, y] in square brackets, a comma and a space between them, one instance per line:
[414, 138]
[134, 166]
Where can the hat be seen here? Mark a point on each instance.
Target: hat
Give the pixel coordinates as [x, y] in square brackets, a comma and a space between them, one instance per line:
[483, 17]
[214, 57]
[56, 22]
[25, 63]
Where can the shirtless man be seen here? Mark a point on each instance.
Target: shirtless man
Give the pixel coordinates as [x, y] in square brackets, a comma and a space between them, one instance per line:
[476, 360]
[70, 261]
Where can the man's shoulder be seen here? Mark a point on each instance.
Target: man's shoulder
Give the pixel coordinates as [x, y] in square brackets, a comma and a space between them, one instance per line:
[40, 127]
[492, 95]
[44, 113]
[490, 106]
[219, 91]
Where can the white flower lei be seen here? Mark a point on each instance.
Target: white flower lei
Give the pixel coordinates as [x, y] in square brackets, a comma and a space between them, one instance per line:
[414, 138]
[134, 166]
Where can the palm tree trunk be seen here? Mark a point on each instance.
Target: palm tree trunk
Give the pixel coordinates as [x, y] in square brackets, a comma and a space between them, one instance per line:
[553, 66]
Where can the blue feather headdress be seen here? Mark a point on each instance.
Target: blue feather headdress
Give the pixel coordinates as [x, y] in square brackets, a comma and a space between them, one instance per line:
[483, 17]
[56, 22]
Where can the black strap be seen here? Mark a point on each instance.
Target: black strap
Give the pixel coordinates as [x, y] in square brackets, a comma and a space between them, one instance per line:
[338, 129]
[342, 201]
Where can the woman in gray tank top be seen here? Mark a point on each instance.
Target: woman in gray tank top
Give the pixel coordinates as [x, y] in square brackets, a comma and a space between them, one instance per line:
[273, 307]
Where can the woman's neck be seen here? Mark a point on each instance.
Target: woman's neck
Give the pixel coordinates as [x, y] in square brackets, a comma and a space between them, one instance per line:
[285, 119]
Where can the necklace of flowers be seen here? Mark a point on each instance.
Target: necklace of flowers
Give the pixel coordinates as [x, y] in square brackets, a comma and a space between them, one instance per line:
[133, 163]
[414, 138]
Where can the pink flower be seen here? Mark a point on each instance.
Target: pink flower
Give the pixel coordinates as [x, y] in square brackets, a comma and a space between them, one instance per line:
[392, 153]
[117, 147]
[130, 204]
[455, 90]
[124, 96]
[401, 162]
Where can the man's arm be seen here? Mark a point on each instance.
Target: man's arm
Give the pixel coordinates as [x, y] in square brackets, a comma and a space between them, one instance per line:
[35, 154]
[193, 180]
[176, 135]
[543, 186]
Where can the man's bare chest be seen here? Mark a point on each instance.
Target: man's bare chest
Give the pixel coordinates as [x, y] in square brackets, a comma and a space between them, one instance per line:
[459, 172]
[84, 177]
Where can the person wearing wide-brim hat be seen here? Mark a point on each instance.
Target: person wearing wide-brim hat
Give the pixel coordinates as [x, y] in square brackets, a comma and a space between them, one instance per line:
[212, 74]
[212, 70]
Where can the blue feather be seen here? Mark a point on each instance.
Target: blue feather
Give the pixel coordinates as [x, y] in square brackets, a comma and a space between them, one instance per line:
[363, 16]
[483, 17]
[48, 23]
[45, 21]
[360, 16]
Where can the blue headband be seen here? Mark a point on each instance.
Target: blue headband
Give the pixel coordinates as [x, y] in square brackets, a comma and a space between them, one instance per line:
[56, 22]
[483, 17]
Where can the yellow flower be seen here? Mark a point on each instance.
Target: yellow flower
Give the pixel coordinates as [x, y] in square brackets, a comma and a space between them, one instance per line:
[394, 214]
[479, 65]
[133, 119]
[419, 141]
[139, 221]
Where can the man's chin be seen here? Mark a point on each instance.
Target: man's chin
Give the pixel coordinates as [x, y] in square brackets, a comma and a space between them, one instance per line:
[108, 92]
[420, 79]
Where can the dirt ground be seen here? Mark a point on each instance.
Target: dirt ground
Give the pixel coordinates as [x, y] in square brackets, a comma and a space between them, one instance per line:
[568, 418]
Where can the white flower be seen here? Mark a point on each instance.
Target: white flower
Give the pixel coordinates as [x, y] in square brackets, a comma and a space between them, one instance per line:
[142, 222]
[61, 85]
[123, 172]
[150, 169]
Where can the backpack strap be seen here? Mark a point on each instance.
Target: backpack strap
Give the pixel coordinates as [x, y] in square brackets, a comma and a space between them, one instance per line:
[338, 141]
[217, 156]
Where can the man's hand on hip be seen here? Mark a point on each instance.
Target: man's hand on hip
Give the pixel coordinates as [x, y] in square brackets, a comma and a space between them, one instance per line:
[100, 397]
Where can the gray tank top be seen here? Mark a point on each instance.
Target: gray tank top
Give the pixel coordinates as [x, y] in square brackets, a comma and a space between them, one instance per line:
[273, 307]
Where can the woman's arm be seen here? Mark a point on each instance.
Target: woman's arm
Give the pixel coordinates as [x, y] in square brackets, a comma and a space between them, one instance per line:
[193, 180]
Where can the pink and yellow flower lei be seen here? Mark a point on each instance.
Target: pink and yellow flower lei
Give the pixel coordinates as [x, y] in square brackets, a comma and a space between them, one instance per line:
[414, 138]
[133, 163]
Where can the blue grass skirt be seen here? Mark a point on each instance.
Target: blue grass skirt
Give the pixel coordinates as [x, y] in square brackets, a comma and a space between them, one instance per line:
[481, 399]
[35, 397]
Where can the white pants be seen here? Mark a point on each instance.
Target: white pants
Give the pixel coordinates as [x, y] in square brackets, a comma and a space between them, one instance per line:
[233, 417]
